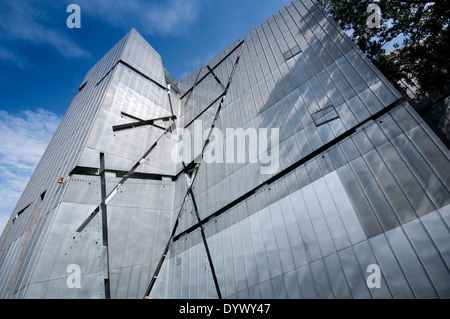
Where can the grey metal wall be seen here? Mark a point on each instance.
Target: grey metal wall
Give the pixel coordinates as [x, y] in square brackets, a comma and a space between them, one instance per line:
[268, 91]
[57, 161]
[125, 85]
[361, 179]
[380, 196]
[369, 184]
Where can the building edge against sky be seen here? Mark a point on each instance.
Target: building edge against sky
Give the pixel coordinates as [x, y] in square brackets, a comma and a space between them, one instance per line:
[361, 180]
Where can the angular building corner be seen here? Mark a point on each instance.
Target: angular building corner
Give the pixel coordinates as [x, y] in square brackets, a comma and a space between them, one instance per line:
[358, 181]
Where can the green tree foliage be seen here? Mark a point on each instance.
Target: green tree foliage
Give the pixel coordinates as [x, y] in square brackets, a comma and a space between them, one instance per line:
[422, 57]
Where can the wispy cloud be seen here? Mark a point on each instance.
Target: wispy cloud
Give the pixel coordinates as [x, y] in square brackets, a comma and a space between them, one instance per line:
[164, 18]
[30, 22]
[23, 140]
[9, 56]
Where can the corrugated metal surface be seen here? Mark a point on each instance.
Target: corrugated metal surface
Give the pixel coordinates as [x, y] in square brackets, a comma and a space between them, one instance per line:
[359, 179]
[362, 192]
[317, 241]
[85, 131]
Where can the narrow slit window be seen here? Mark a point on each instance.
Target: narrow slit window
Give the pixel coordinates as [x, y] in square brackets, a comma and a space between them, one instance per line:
[82, 86]
[20, 212]
[291, 52]
[325, 115]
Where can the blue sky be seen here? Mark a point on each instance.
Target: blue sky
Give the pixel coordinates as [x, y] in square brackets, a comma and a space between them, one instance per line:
[42, 61]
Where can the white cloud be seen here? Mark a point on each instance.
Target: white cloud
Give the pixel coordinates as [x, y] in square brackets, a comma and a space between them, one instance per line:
[169, 17]
[11, 57]
[23, 140]
[39, 23]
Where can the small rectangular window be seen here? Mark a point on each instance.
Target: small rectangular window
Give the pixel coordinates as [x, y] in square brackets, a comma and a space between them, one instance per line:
[291, 52]
[325, 115]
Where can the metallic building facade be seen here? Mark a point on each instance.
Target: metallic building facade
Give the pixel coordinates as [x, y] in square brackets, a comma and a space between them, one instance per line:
[359, 179]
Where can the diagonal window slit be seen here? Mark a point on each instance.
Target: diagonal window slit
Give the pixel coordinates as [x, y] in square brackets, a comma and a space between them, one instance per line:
[216, 78]
[325, 115]
[191, 170]
[140, 123]
[123, 180]
[291, 52]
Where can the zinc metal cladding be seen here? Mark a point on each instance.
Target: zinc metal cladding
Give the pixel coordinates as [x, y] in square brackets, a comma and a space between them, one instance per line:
[321, 216]
[128, 80]
[58, 160]
[312, 233]
[361, 180]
